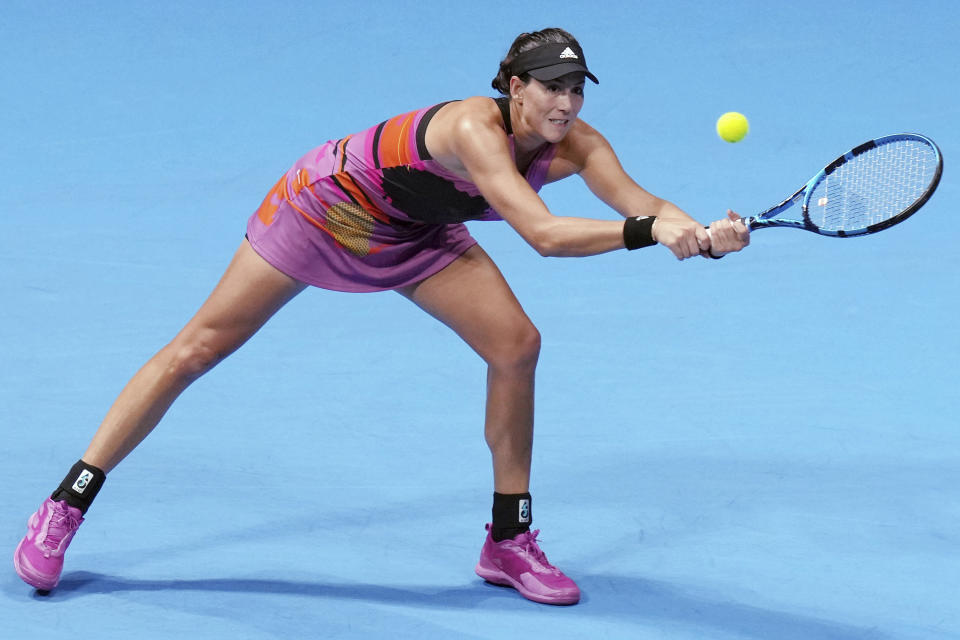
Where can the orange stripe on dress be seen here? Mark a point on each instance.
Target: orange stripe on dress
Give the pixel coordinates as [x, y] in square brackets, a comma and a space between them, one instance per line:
[343, 152]
[319, 225]
[302, 182]
[394, 141]
[281, 192]
[346, 182]
[276, 196]
[310, 219]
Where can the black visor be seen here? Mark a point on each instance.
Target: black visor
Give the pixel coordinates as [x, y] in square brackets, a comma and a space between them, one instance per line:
[550, 61]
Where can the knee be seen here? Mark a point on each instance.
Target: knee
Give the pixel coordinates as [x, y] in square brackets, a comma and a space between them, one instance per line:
[517, 349]
[189, 357]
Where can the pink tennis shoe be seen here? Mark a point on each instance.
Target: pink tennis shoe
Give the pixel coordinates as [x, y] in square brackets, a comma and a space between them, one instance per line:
[39, 556]
[519, 563]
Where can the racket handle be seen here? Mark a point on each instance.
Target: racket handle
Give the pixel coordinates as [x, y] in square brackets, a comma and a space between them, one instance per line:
[747, 222]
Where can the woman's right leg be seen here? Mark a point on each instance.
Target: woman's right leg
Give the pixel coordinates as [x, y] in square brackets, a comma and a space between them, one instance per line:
[248, 294]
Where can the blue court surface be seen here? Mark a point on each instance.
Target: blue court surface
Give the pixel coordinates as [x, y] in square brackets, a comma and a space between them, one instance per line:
[763, 447]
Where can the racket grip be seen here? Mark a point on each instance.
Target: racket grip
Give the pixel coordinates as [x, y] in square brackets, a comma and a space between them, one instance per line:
[747, 222]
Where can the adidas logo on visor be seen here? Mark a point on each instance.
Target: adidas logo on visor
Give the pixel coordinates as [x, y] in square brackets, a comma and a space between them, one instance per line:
[568, 53]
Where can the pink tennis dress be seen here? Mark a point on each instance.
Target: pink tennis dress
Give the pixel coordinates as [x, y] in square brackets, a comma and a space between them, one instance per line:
[373, 211]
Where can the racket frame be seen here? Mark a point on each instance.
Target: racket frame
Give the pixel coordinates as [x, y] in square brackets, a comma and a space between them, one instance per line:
[803, 194]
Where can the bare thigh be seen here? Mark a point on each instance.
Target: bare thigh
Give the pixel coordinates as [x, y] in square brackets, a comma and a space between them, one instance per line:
[472, 297]
[248, 294]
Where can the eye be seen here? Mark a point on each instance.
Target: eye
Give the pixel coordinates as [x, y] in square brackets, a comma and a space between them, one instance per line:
[578, 91]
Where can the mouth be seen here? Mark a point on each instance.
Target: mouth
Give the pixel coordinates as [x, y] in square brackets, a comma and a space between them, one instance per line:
[559, 122]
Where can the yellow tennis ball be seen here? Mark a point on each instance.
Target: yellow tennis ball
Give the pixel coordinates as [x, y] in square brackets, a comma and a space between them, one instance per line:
[732, 126]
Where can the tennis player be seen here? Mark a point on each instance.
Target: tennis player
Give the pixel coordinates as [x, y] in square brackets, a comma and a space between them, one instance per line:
[384, 209]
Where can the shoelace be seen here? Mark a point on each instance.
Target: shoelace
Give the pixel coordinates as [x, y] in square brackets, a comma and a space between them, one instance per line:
[62, 523]
[528, 542]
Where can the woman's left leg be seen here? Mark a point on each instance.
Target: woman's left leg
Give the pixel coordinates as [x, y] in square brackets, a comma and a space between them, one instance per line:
[471, 297]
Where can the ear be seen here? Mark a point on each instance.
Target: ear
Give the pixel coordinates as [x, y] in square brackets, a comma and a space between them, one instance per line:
[516, 89]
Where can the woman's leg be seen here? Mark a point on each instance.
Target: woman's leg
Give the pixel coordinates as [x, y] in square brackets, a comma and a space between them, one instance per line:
[471, 297]
[248, 294]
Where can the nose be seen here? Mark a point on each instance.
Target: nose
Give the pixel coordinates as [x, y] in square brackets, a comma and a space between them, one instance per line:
[564, 101]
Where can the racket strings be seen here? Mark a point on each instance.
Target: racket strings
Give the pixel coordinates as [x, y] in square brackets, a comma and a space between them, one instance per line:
[874, 186]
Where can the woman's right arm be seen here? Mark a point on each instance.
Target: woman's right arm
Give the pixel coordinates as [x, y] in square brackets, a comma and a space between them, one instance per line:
[484, 151]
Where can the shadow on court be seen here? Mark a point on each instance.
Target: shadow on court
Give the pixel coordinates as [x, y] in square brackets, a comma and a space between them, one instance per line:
[625, 599]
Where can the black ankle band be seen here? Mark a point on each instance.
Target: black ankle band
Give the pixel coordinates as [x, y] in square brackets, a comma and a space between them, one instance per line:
[512, 515]
[80, 486]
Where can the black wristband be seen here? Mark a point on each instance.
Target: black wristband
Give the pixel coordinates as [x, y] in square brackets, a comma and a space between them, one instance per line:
[638, 232]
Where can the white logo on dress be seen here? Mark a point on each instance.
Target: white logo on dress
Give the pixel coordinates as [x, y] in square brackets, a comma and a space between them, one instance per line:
[568, 53]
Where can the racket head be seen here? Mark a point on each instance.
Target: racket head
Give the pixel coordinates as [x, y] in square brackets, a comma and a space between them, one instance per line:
[870, 188]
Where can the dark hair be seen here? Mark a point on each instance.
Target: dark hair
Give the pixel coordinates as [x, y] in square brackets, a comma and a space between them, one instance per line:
[526, 42]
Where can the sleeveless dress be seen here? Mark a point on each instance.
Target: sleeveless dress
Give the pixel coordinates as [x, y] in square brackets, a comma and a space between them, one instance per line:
[373, 211]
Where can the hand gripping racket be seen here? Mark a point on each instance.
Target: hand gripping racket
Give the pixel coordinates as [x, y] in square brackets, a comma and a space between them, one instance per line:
[870, 188]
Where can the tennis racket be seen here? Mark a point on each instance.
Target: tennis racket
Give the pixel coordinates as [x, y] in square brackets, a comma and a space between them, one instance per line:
[868, 189]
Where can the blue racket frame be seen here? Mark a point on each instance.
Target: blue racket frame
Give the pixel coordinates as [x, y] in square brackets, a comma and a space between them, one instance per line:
[804, 194]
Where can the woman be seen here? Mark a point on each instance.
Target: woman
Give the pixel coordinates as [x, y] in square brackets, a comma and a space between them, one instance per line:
[383, 210]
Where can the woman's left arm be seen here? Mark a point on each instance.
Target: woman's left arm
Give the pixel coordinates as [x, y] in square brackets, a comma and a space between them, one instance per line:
[604, 175]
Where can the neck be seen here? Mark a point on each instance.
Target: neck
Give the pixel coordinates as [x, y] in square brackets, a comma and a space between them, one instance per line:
[525, 141]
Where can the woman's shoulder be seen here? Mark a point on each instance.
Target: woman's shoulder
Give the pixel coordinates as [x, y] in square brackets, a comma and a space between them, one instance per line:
[473, 124]
[582, 136]
[475, 111]
[573, 151]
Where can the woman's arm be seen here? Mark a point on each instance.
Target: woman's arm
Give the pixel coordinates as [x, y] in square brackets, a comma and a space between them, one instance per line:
[481, 146]
[594, 159]
[469, 138]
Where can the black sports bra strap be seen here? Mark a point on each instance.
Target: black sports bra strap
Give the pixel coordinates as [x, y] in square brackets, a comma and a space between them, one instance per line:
[504, 104]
